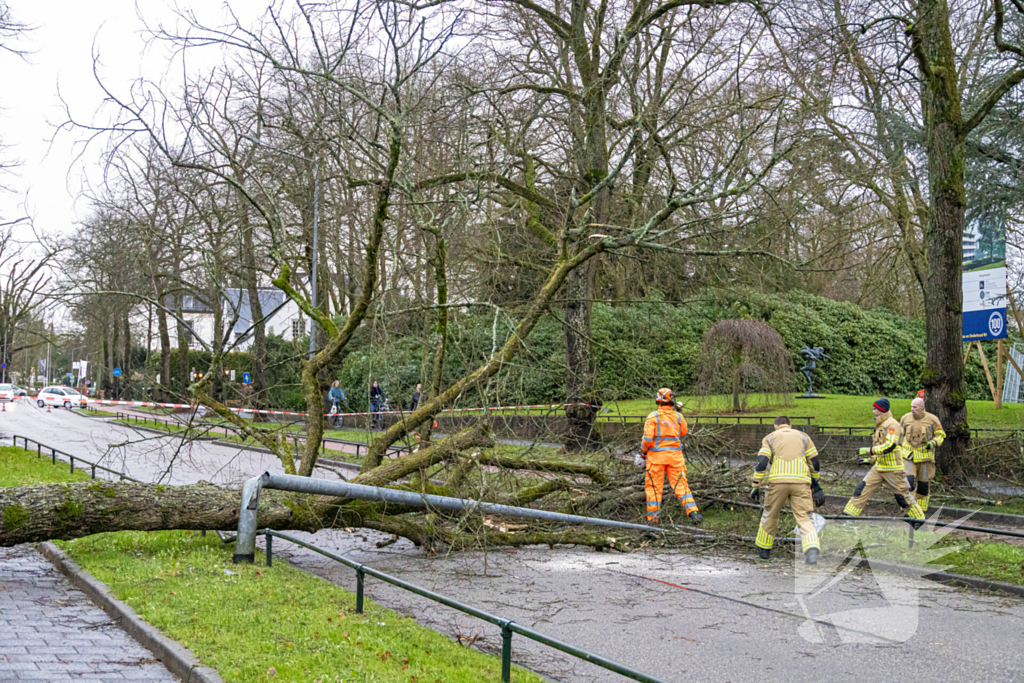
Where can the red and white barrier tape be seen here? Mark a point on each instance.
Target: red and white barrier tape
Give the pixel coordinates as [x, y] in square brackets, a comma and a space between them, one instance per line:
[150, 404]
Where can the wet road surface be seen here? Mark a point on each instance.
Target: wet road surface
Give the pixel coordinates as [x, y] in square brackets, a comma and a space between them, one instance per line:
[700, 615]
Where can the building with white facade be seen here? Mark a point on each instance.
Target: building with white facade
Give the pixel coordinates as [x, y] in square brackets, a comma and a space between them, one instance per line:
[282, 317]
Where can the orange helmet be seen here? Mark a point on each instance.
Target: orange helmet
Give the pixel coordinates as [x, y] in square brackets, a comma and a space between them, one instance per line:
[665, 397]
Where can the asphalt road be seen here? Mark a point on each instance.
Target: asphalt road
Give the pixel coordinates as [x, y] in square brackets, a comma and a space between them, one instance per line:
[694, 616]
[140, 454]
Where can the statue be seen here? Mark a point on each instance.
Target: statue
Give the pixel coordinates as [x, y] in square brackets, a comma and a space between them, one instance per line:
[812, 356]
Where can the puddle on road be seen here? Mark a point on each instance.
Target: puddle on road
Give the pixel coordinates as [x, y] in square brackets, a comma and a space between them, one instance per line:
[634, 563]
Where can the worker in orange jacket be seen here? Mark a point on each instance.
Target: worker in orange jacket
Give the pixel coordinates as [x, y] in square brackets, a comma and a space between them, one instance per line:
[662, 454]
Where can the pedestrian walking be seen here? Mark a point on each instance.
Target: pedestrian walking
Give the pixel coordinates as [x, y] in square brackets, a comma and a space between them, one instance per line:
[377, 399]
[337, 398]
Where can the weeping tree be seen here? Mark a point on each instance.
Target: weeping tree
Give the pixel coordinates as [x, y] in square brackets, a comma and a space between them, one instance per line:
[742, 357]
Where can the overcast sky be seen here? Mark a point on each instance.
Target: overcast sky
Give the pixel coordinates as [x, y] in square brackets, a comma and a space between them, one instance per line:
[49, 182]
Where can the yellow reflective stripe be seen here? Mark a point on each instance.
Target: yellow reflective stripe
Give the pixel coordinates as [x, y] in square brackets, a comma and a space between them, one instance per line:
[790, 469]
[851, 510]
[798, 477]
[765, 451]
[939, 437]
[810, 540]
[758, 476]
[764, 539]
[811, 452]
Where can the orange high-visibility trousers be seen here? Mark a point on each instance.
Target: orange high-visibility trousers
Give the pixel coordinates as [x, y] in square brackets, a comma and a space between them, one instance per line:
[655, 478]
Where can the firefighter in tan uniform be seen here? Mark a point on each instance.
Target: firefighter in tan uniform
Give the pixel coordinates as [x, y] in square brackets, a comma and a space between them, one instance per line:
[922, 434]
[887, 466]
[789, 460]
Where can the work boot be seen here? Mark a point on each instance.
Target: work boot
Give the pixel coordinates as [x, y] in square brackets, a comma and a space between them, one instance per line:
[811, 556]
[764, 553]
[696, 517]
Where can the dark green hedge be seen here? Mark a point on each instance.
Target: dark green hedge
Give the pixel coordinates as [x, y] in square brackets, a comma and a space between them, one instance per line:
[638, 348]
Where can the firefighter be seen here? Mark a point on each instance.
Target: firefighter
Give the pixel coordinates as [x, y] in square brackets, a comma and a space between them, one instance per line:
[662, 454]
[922, 434]
[789, 460]
[886, 462]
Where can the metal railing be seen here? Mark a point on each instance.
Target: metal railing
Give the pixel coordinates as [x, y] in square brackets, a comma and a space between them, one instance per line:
[177, 426]
[40, 447]
[508, 627]
[715, 419]
[140, 421]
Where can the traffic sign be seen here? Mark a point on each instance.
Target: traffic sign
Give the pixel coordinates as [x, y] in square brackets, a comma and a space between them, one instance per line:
[3, 365]
[246, 378]
[117, 372]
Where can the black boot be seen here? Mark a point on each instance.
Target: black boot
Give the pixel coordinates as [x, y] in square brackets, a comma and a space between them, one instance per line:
[811, 556]
[764, 553]
[696, 517]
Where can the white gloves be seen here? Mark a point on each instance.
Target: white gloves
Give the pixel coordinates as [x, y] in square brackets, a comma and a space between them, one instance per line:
[639, 460]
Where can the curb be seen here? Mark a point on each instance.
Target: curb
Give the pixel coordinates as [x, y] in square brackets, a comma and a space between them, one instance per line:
[161, 432]
[178, 660]
[946, 578]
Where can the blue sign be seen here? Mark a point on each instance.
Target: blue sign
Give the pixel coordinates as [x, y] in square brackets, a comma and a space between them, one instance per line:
[246, 378]
[984, 277]
[3, 365]
[981, 325]
[117, 372]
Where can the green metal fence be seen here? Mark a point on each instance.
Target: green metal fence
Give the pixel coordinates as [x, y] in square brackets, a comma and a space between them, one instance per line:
[507, 627]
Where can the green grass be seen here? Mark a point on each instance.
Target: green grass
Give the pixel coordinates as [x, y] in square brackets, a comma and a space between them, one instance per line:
[844, 411]
[19, 467]
[304, 627]
[93, 412]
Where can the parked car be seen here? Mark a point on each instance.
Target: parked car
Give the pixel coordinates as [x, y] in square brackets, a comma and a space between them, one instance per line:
[7, 392]
[61, 396]
[19, 392]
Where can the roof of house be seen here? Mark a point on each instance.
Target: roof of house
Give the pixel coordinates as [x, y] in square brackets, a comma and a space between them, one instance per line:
[270, 299]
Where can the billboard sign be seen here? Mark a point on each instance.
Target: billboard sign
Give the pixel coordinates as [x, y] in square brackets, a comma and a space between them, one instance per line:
[984, 277]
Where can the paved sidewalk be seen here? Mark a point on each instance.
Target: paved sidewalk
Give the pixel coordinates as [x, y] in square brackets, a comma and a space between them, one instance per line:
[49, 631]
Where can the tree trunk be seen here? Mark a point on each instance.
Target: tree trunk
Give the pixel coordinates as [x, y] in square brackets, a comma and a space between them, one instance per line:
[184, 371]
[943, 376]
[736, 378]
[579, 359]
[440, 329]
[32, 514]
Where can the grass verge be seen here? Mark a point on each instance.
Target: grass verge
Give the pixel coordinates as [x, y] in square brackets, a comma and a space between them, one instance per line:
[254, 619]
[95, 412]
[19, 467]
